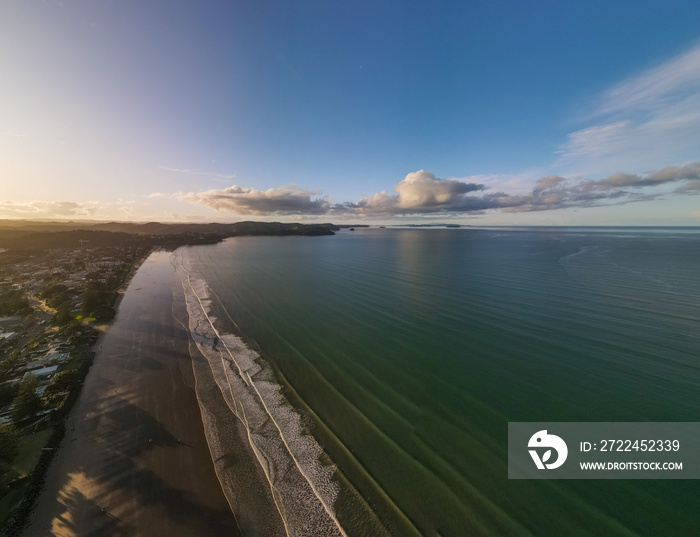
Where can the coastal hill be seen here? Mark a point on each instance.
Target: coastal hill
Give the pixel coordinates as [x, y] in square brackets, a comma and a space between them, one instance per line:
[26, 235]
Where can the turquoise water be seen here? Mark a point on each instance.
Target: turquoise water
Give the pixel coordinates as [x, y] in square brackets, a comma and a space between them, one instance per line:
[407, 351]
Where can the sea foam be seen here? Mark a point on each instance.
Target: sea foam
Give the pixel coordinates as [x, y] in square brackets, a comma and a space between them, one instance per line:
[298, 471]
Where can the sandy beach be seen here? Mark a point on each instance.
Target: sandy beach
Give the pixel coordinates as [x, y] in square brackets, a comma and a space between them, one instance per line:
[134, 460]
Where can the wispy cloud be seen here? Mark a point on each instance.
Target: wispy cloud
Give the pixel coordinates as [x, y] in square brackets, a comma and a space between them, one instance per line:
[689, 188]
[177, 217]
[46, 209]
[676, 80]
[647, 119]
[195, 172]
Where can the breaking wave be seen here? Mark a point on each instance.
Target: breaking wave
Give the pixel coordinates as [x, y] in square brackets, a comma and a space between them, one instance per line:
[298, 472]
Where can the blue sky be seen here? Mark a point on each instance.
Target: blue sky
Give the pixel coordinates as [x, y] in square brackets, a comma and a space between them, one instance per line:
[378, 111]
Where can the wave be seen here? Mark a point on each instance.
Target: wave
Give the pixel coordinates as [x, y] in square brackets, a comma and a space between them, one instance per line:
[298, 472]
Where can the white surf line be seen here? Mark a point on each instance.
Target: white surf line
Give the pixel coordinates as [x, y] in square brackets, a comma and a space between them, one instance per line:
[328, 510]
[261, 460]
[218, 335]
[228, 315]
[301, 471]
[252, 383]
[211, 455]
[223, 362]
[273, 490]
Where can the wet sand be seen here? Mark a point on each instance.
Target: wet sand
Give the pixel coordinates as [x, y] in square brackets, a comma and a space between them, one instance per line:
[134, 460]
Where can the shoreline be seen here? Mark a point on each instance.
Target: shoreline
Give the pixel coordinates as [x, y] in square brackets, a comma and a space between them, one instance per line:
[134, 458]
[274, 441]
[133, 269]
[104, 326]
[18, 521]
[237, 465]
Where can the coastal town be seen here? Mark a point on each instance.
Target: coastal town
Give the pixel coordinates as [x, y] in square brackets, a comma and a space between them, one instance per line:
[53, 304]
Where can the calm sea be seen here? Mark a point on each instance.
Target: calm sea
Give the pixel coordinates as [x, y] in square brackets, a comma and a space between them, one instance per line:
[374, 372]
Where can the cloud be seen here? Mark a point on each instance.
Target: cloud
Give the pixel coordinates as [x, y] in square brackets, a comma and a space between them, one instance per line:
[670, 174]
[195, 172]
[646, 120]
[689, 188]
[554, 192]
[45, 209]
[285, 200]
[421, 193]
[422, 190]
[676, 173]
[675, 80]
[550, 181]
[177, 217]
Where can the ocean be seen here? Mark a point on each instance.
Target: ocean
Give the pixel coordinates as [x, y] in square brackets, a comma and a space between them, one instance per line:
[361, 384]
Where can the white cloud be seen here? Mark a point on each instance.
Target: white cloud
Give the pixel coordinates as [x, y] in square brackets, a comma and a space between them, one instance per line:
[285, 200]
[597, 140]
[423, 190]
[644, 121]
[421, 193]
[673, 81]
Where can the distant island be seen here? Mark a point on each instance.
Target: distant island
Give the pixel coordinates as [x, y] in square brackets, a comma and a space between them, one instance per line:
[433, 225]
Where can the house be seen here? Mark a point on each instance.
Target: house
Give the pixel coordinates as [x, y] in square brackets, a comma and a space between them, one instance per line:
[43, 372]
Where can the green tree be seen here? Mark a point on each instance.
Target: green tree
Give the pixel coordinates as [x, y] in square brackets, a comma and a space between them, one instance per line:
[11, 302]
[26, 312]
[8, 392]
[58, 299]
[91, 300]
[112, 282]
[104, 313]
[54, 289]
[9, 363]
[9, 446]
[27, 402]
[63, 316]
[61, 382]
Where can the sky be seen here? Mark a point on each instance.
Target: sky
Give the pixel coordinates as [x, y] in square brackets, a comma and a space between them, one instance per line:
[478, 112]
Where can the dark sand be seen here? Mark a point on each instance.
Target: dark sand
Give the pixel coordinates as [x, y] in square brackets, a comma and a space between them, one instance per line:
[134, 460]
